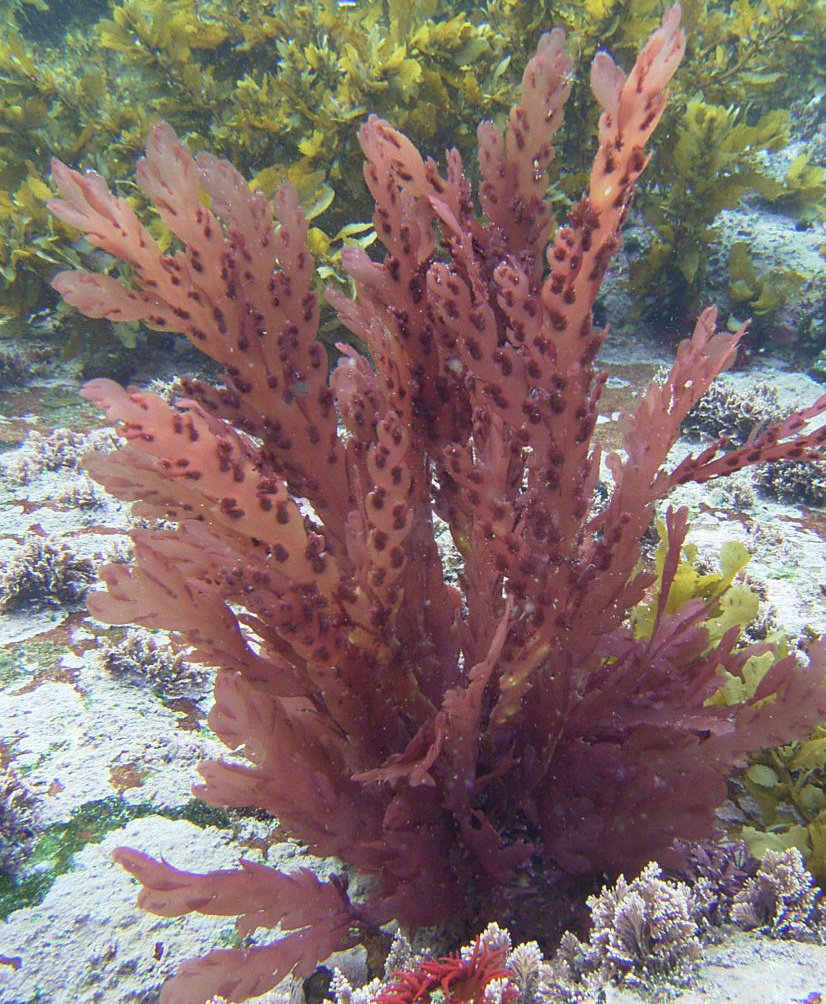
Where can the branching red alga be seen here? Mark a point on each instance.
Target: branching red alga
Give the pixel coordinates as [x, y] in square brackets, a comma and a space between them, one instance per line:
[440, 739]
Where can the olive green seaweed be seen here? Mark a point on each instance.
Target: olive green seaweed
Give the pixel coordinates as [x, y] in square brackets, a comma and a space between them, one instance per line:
[279, 88]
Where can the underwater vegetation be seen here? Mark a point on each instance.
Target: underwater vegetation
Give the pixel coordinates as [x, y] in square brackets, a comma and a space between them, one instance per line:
[276, 87]
[279, 89]
[560, 713]
[44, 572]
[644, 934]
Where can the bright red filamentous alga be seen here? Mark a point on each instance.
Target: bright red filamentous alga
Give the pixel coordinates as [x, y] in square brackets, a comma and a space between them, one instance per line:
[439, 738]
[458, 980]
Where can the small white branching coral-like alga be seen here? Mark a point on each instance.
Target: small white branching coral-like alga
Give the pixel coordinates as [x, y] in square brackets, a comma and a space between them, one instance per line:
[44, 573]
[781, 899]
[640, 930]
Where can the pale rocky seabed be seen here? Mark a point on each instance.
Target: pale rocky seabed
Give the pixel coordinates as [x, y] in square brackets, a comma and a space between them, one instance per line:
[88, 739]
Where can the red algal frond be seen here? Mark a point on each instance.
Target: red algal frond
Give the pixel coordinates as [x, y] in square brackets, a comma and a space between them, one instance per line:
[461, 981]
[440, 734]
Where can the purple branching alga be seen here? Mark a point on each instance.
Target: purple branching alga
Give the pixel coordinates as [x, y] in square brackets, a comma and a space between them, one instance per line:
[447, 741]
